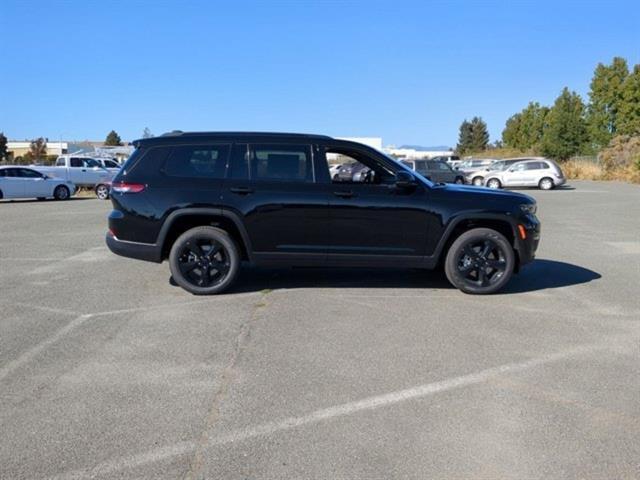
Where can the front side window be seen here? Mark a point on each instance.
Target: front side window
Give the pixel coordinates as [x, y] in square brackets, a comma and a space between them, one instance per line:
[361, 168]
[60, 162]
[197, 161]
[290, 163]
[519, 167]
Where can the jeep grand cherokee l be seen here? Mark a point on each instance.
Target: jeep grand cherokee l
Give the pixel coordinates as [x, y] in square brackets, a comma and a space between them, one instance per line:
[208, 201]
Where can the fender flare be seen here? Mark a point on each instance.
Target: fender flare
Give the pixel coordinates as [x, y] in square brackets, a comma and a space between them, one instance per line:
[453, 223]
[215, 212]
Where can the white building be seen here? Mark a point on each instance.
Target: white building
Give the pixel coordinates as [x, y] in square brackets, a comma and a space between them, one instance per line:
[413, 154]
[18, 149]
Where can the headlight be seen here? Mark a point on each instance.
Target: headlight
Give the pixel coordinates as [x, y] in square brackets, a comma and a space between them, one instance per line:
[531, 208]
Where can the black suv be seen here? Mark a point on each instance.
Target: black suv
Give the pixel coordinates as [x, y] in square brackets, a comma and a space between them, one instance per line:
[209, 201]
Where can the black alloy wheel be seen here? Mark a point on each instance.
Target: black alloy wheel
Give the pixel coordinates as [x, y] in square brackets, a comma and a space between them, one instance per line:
[204, 260]
[480, 261]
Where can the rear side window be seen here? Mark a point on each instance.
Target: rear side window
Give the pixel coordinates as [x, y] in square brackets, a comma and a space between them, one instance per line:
[289, 163]
[197, 161]
[76, 162]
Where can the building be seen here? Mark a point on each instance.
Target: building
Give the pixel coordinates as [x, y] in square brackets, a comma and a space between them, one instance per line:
[414, 154]
[19, 149]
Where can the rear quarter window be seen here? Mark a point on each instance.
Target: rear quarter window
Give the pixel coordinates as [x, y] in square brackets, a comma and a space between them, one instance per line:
[197, 161]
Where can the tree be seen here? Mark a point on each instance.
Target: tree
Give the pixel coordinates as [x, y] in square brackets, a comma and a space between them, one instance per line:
[147, 133]
[565, 133]
[38, 148]
[524, 130]
[464, 138]
[479, 135]
[605, 100]
[4, 153]
[629, 112]
[113, 139]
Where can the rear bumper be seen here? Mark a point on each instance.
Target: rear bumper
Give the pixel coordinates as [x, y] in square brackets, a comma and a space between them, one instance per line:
[140, 251]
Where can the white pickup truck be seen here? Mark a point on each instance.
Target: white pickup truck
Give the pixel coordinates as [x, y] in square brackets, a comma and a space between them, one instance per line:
[82, 172]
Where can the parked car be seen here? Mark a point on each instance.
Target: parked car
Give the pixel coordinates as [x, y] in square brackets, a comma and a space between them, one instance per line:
[103, 190]
[333, 171]
[81, 171]
[23, 182]
[473, 170]
[208, 201]
[108, 163]
[352, 172]
[476, 177]
[435, 170]
[544, 174]
[452, 160]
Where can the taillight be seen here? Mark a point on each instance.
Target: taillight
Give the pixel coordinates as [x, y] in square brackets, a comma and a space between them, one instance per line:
[124, 187]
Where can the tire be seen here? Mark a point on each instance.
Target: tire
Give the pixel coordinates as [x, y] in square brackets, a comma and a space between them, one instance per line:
[477, 251]
[1, 195]
[477, 181]
[41, 199]
[193, 267]
[546, 183]
[61, 193]
[494, 183]
[102, 191]
[459, 181]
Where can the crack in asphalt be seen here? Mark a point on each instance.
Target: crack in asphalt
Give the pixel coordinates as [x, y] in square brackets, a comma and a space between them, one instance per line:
[240, 344]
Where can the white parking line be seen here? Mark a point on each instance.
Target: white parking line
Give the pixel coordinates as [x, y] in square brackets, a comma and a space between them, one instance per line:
[29, 354]
[330, 413]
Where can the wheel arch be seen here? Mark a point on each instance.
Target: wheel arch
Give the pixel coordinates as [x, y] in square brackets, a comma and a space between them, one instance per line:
[459, 225]
[179, 221]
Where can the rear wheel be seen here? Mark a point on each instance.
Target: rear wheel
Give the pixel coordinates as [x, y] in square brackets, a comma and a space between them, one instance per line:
[494, 183]
[480, 261]
[477, 181]
[61, 193]
[204, 260]
[545, 184]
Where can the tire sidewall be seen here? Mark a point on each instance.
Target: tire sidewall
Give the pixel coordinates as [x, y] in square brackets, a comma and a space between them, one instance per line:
[477, 181]
[478, 234]
[205, 232]
[106, 194]
[494, 181]
[542, 181]
[60, 188]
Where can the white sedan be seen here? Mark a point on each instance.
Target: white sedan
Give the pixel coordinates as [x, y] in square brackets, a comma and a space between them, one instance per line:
[22, 182]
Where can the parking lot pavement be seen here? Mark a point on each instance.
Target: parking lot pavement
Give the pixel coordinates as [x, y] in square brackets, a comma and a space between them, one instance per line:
[107, 370]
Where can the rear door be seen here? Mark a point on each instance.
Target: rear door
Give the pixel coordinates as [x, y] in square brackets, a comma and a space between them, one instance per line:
[272, 188]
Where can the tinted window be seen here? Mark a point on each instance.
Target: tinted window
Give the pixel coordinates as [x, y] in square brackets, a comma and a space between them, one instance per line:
[110, 164]
[76, 162]
[291, 163]
[422, 165]
[442, 166]
[27, 173]
[533, 166]
[197, 161]
[3, 172]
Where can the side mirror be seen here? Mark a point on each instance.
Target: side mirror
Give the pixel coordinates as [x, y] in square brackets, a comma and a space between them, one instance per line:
[45, 177]
[405, 180]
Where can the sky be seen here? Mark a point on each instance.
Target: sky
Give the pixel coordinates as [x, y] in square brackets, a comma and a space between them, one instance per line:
[409, 72]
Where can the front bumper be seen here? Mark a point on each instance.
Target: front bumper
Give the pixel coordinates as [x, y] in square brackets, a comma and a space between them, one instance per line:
[148, 252]
[528, 246]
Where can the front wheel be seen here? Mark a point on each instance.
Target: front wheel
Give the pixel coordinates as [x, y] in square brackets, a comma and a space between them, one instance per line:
[459, 181]
[204, 260]
[102, 191]
[61, 193]
[494, 183]
[480, 261]
[477, 181]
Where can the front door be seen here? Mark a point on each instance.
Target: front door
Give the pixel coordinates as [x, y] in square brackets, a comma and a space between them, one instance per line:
[285, 212]
[372, 221]
[35, 184]
[12, 184]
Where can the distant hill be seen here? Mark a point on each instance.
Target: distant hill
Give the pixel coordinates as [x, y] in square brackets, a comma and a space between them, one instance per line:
[419, 148]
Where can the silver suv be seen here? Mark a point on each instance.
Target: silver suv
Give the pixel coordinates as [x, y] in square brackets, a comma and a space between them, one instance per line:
[544, 174]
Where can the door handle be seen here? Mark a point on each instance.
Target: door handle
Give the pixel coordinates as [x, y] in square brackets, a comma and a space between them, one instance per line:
[84, 169]
[348, 194]
[241, 190]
